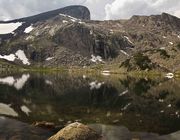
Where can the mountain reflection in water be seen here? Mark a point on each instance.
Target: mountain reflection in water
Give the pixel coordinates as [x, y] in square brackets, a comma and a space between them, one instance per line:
[139, 104]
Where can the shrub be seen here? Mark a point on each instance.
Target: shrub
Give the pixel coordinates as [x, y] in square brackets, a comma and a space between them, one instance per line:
[178, 46]
[142, 61]
[164, 54]
[127, 64]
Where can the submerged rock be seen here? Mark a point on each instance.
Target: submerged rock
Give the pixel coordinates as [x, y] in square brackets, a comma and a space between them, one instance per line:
[76, 131]
[44, 124]
[109, 132]
[11, 129]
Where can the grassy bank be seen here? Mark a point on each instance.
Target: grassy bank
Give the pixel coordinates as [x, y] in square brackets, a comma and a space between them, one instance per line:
[92, 70]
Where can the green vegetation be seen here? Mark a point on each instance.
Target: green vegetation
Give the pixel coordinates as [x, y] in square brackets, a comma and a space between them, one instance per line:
[142, 61]
[127, 64]
[178, 46]
[164, 54]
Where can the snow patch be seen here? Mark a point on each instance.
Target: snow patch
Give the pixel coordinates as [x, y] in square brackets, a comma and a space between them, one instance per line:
[162, 48]
[128, 39]
[7, 80]
[84, 76]
[162, 111]
[169, 106]
[169, 75]
[91, 32]
[73, 19]
[49, 58]
[125, 53]
[21, 56]
[28, 29]
[18, 83]
[171, 43]
[48, 82]
[123, 93]
[29, 38]
[164, 37]
[7, 28]
[95, 85]
[10, 57]
[126, 106]
[26, 110]
[111, 31]
[105, 73]
[65, 21]
[161, 100]
[80, 22]
[7, 110]
[62, 15]
[96, 59]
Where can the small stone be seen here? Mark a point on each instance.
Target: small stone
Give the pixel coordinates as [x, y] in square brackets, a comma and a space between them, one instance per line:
[161, 100]
[115, 121]
[69, 122]
[60, 120]
[169, 106]
[108, 114]
[79, 120]
[162, 111]
[44, 124]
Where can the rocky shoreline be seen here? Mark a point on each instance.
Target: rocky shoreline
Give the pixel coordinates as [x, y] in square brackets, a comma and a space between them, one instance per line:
[78, 131]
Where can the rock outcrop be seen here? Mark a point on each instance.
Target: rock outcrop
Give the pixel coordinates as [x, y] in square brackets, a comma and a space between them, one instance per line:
[76, 131]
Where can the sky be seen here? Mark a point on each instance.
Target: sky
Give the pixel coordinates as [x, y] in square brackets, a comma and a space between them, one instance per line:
[100, 9]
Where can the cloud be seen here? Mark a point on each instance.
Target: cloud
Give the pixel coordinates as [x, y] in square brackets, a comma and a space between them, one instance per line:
[177, 13]
[97, 8]
[10, 9]
[126, 8]
[100, 9]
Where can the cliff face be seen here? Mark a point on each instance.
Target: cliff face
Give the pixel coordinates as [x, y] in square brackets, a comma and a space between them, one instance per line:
[67, 37]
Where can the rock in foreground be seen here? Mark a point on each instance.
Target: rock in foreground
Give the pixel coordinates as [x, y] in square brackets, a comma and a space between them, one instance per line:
[76, 131]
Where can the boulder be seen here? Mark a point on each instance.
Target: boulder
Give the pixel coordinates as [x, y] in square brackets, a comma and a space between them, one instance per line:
[76, 131]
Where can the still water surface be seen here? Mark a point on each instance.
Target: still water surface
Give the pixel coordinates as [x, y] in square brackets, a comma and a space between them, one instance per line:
[150, 105]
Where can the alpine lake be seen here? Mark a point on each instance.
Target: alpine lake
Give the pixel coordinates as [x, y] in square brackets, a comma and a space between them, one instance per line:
[35, 105]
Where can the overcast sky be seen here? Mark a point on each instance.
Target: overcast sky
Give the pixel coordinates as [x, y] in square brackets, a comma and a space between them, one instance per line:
[100, 9]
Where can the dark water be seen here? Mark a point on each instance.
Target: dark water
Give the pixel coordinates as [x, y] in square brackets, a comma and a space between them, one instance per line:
[150, 105]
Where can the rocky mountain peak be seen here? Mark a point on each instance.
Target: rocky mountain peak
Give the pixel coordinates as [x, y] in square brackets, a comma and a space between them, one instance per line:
[152, 21]
[77, 11]
[170, 19]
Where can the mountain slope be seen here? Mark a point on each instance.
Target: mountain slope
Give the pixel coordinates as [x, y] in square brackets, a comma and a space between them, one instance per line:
[56, 38]
[80, 12]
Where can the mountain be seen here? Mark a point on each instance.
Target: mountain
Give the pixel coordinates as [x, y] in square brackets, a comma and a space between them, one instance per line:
[79, 12]
[67, 37]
